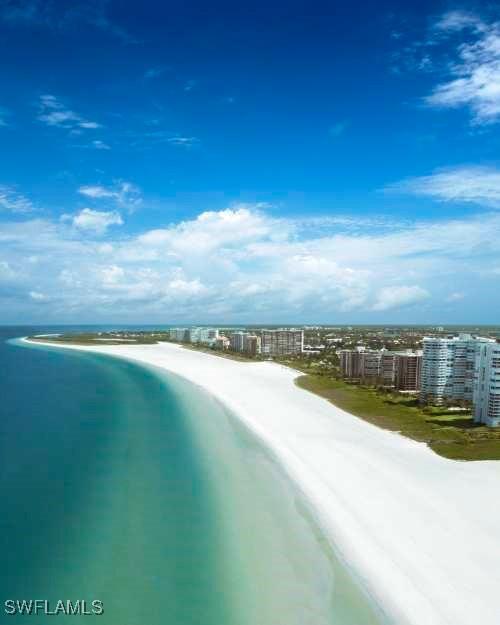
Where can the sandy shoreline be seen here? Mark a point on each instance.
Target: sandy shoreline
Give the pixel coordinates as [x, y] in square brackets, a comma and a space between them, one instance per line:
[421, 531]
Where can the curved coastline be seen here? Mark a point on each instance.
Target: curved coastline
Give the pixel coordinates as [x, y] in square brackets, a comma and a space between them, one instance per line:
[379, 498]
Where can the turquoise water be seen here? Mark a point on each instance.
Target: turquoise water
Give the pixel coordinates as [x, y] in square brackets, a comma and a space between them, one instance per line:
[136, 488]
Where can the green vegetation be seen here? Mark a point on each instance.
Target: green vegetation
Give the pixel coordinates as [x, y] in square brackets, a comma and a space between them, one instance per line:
[105, 338]
[448, 433]
[241, 357]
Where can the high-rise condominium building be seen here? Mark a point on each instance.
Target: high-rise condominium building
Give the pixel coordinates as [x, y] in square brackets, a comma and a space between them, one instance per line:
[194, 335]
[371, 362]
[350, 362]
[204, 335]
[252, 344]
[282, 342]
[237, 341]
[179, 334]
[398, 369]
[486, 396]
[448, 367]
[408, 371]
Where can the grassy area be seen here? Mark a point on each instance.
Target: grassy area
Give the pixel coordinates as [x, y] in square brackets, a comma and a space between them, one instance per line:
[449, 434]
[99, 339]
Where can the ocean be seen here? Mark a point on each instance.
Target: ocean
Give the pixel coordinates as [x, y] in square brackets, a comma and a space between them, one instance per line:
[134, 488]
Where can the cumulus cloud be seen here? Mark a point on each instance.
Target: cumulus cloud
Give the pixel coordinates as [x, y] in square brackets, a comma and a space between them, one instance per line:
[53, 112]
[480, 185]
[397, 296]
[96, 221]
[474, 75]
[243, 263]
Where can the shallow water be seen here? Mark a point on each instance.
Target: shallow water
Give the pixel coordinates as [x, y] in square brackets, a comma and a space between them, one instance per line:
[134, 487]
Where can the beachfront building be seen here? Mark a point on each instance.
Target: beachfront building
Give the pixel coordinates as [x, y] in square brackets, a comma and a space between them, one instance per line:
[401, 370]
[486, 394]
[361, 363]
[350, 362]
[179, 334]
[222, 342]
[194, 335]
[282, 342]
[371, 365]
[448, 367]
[387, 368]
[206, 336]
[252, 344]
[408, 370]
[237, 341]
[245, 342]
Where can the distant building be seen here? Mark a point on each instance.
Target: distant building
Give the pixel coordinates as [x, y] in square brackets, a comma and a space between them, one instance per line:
[350, 362]
[179, 334]
[237, 341]
[282, 342]
[252, 344]
[194, 335]
[388, 368]
[222, 342]
[408, 371]
[371, 365]
[207, 335]
[361, 363]
[400, 370]
[486, 394]
[448, 367]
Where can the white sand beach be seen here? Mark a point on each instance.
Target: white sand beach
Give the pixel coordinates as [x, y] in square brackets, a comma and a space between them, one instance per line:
[422, 532]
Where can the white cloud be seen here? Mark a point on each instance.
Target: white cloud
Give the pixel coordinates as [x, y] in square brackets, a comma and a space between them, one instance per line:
[53, 113]
[37, 296]
[480, 185]
[96, 221]
[6, 271]
[124, 193]
[186, 287]
[397, 296]
[97, 191]
[185, 142]
[243, 263]
[100, 145]
[112, 275]
[14, 202]
[474, 77]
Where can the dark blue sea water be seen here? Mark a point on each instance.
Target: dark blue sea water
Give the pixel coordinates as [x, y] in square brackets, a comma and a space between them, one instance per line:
[134, 488]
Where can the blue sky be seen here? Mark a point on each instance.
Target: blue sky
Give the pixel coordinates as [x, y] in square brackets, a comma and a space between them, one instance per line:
[281, 163]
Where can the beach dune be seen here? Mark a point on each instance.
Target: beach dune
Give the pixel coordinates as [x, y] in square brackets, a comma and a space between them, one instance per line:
[422, 533]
